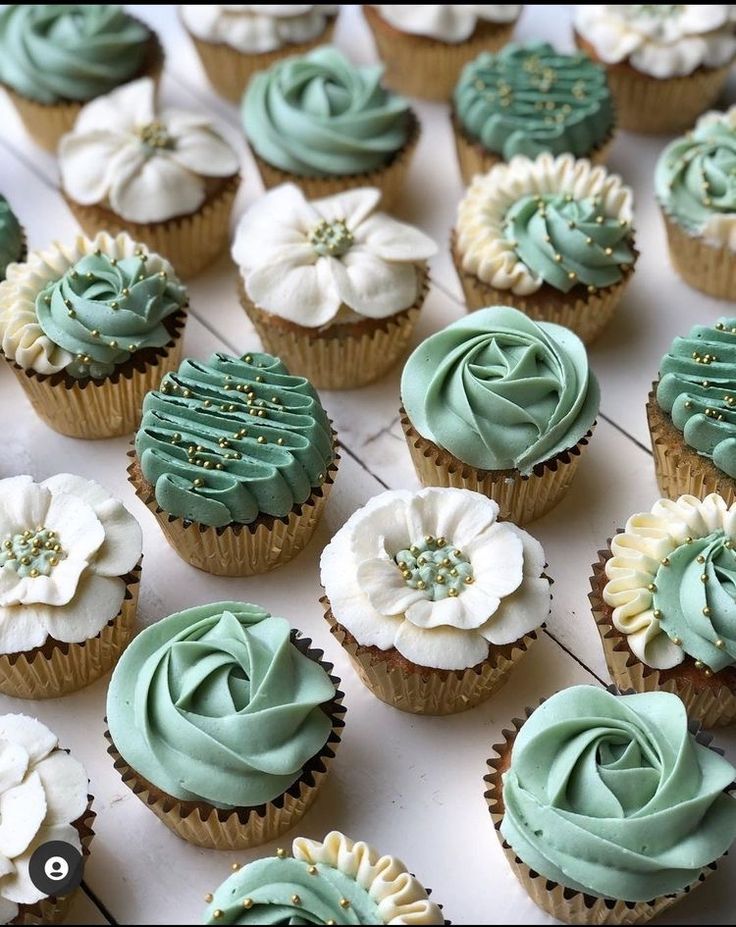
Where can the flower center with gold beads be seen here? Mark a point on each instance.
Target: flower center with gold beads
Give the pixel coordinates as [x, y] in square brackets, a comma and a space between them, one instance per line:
[435, 567]
[32, 553]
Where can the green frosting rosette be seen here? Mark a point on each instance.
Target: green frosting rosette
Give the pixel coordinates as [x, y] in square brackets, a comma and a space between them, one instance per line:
[527, 99]
[319, 115]
[216, 704]
[500, 391]
[52, 52]
[12, 240]
[227, 440]
[612, 795]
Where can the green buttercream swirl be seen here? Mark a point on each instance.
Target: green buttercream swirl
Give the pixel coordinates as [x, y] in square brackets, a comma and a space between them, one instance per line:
[216, 704]
[697, 388]
[319, 115]
[527, 99]
[271, 885]
[52, 52]
[612, 796]
[568, 242]
[229, 439]
[12, 242]
[104, 309]
[499, 391]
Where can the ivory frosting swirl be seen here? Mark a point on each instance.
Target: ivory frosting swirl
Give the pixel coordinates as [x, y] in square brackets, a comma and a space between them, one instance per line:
[51, 52]
[555, 220]
[697, 389]
[500, 391]
[216, 704]
[226, 440]
[12, 242]
[319, 115]
[612, 796]
[527, 99]
[257, 28]
[446, 22]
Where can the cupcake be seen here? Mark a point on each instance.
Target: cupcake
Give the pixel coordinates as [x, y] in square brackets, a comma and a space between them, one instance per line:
[433, 598]
[234, 41]
[235, 458]
[166, 177]
[88, 329]
[663, 601]
[12, 238]
[693, 183]
[332, 286]
[327, 125]
[666, 63]
[425, 46]
[528, 99]
[54, 58]
[223, 721]
[70, 572]
[502, 405]
[608, 809]
[552, 237]
[330, 881]
[43, 794]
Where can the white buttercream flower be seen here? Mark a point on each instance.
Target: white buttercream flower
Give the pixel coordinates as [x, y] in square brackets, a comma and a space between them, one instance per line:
[257, 28]
[43, 791]
[64, 546]
[145, 165]
[447, 22]
[436, 576]
[303, 260]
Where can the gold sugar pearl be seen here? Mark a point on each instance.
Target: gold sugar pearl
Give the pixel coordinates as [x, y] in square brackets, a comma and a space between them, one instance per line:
[281, 852]
[235, 867]
[217, 914]
[312, 870]
[208, 897]
[247, 903]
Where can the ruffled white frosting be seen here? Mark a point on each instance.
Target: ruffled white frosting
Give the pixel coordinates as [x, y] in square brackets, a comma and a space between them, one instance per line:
[43, 791]
[373, 270]
[143, 164]
[99, 542]
[257, 28]
[447, 22]
[662, 40]
[397, 894]
[21, 337]
[506, 598]
[484, 249]
[719, 229]
[637, 555]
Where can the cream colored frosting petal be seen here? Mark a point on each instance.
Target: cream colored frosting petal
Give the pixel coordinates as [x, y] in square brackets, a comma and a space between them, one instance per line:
[14, 760]
[22, 811]
[35, 738]
[372, 287]
[512, 619]
[121, 111]
[18, 886]
[23, 504]
[64, 783]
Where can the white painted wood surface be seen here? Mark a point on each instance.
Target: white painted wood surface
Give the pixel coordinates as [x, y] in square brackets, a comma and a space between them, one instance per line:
[412, 786]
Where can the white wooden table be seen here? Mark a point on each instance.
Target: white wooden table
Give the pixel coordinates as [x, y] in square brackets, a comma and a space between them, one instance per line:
[412, 786]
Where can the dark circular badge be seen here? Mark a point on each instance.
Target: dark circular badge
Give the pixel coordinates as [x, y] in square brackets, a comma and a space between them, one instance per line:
[56, 868]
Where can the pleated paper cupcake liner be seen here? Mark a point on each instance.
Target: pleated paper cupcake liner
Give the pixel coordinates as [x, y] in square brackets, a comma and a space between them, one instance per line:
[708, 268]
[389, 179]
[521, 499]
[679, 469]
[428, 691]
[708, 701]
[57, 668]
[105, 408]
[243, 828]
[190, 243]
[566, 904]
[419, 66]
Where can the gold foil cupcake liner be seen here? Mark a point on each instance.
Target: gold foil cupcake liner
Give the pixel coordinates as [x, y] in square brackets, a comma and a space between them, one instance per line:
[243, 828]
[105, 408]
[708, 268]
[711, 705]
[57, 668]
[419, 66]
[521, 499]
[428, 691]
[389, 179]
[566, 904]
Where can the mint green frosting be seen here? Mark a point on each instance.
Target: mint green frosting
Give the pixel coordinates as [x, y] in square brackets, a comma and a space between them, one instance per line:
[103, 310]
[568, 242]
[612, 796]
[439, 569]
[52, 52]
[499, 391]
[216, 704]
[12, 242]
[697, 388]
[227, 440]
[527, 99]
[271, 885]
[319, 115]
[695, 177]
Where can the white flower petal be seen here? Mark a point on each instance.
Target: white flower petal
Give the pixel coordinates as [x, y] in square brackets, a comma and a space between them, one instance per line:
[57, 589]
[373, 288]
[11, 586]
[23, 628]
[296, 288]
[64, 783]
[459, 515]
[88, 491]
[280, 217]
[428, 614]
[534, 556]
[97, 601]
[203, 151]
[155, 190]
[394, 241]
[14, 762]
[18, 887]
[520, 613]
[78, 528]
[497, 559]
[385, 587]
[89, 163]
[23, 505]
[351, 206]
[120, 111]
[22, 811]
[440, 648]
[35, 738]
[123, 542]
